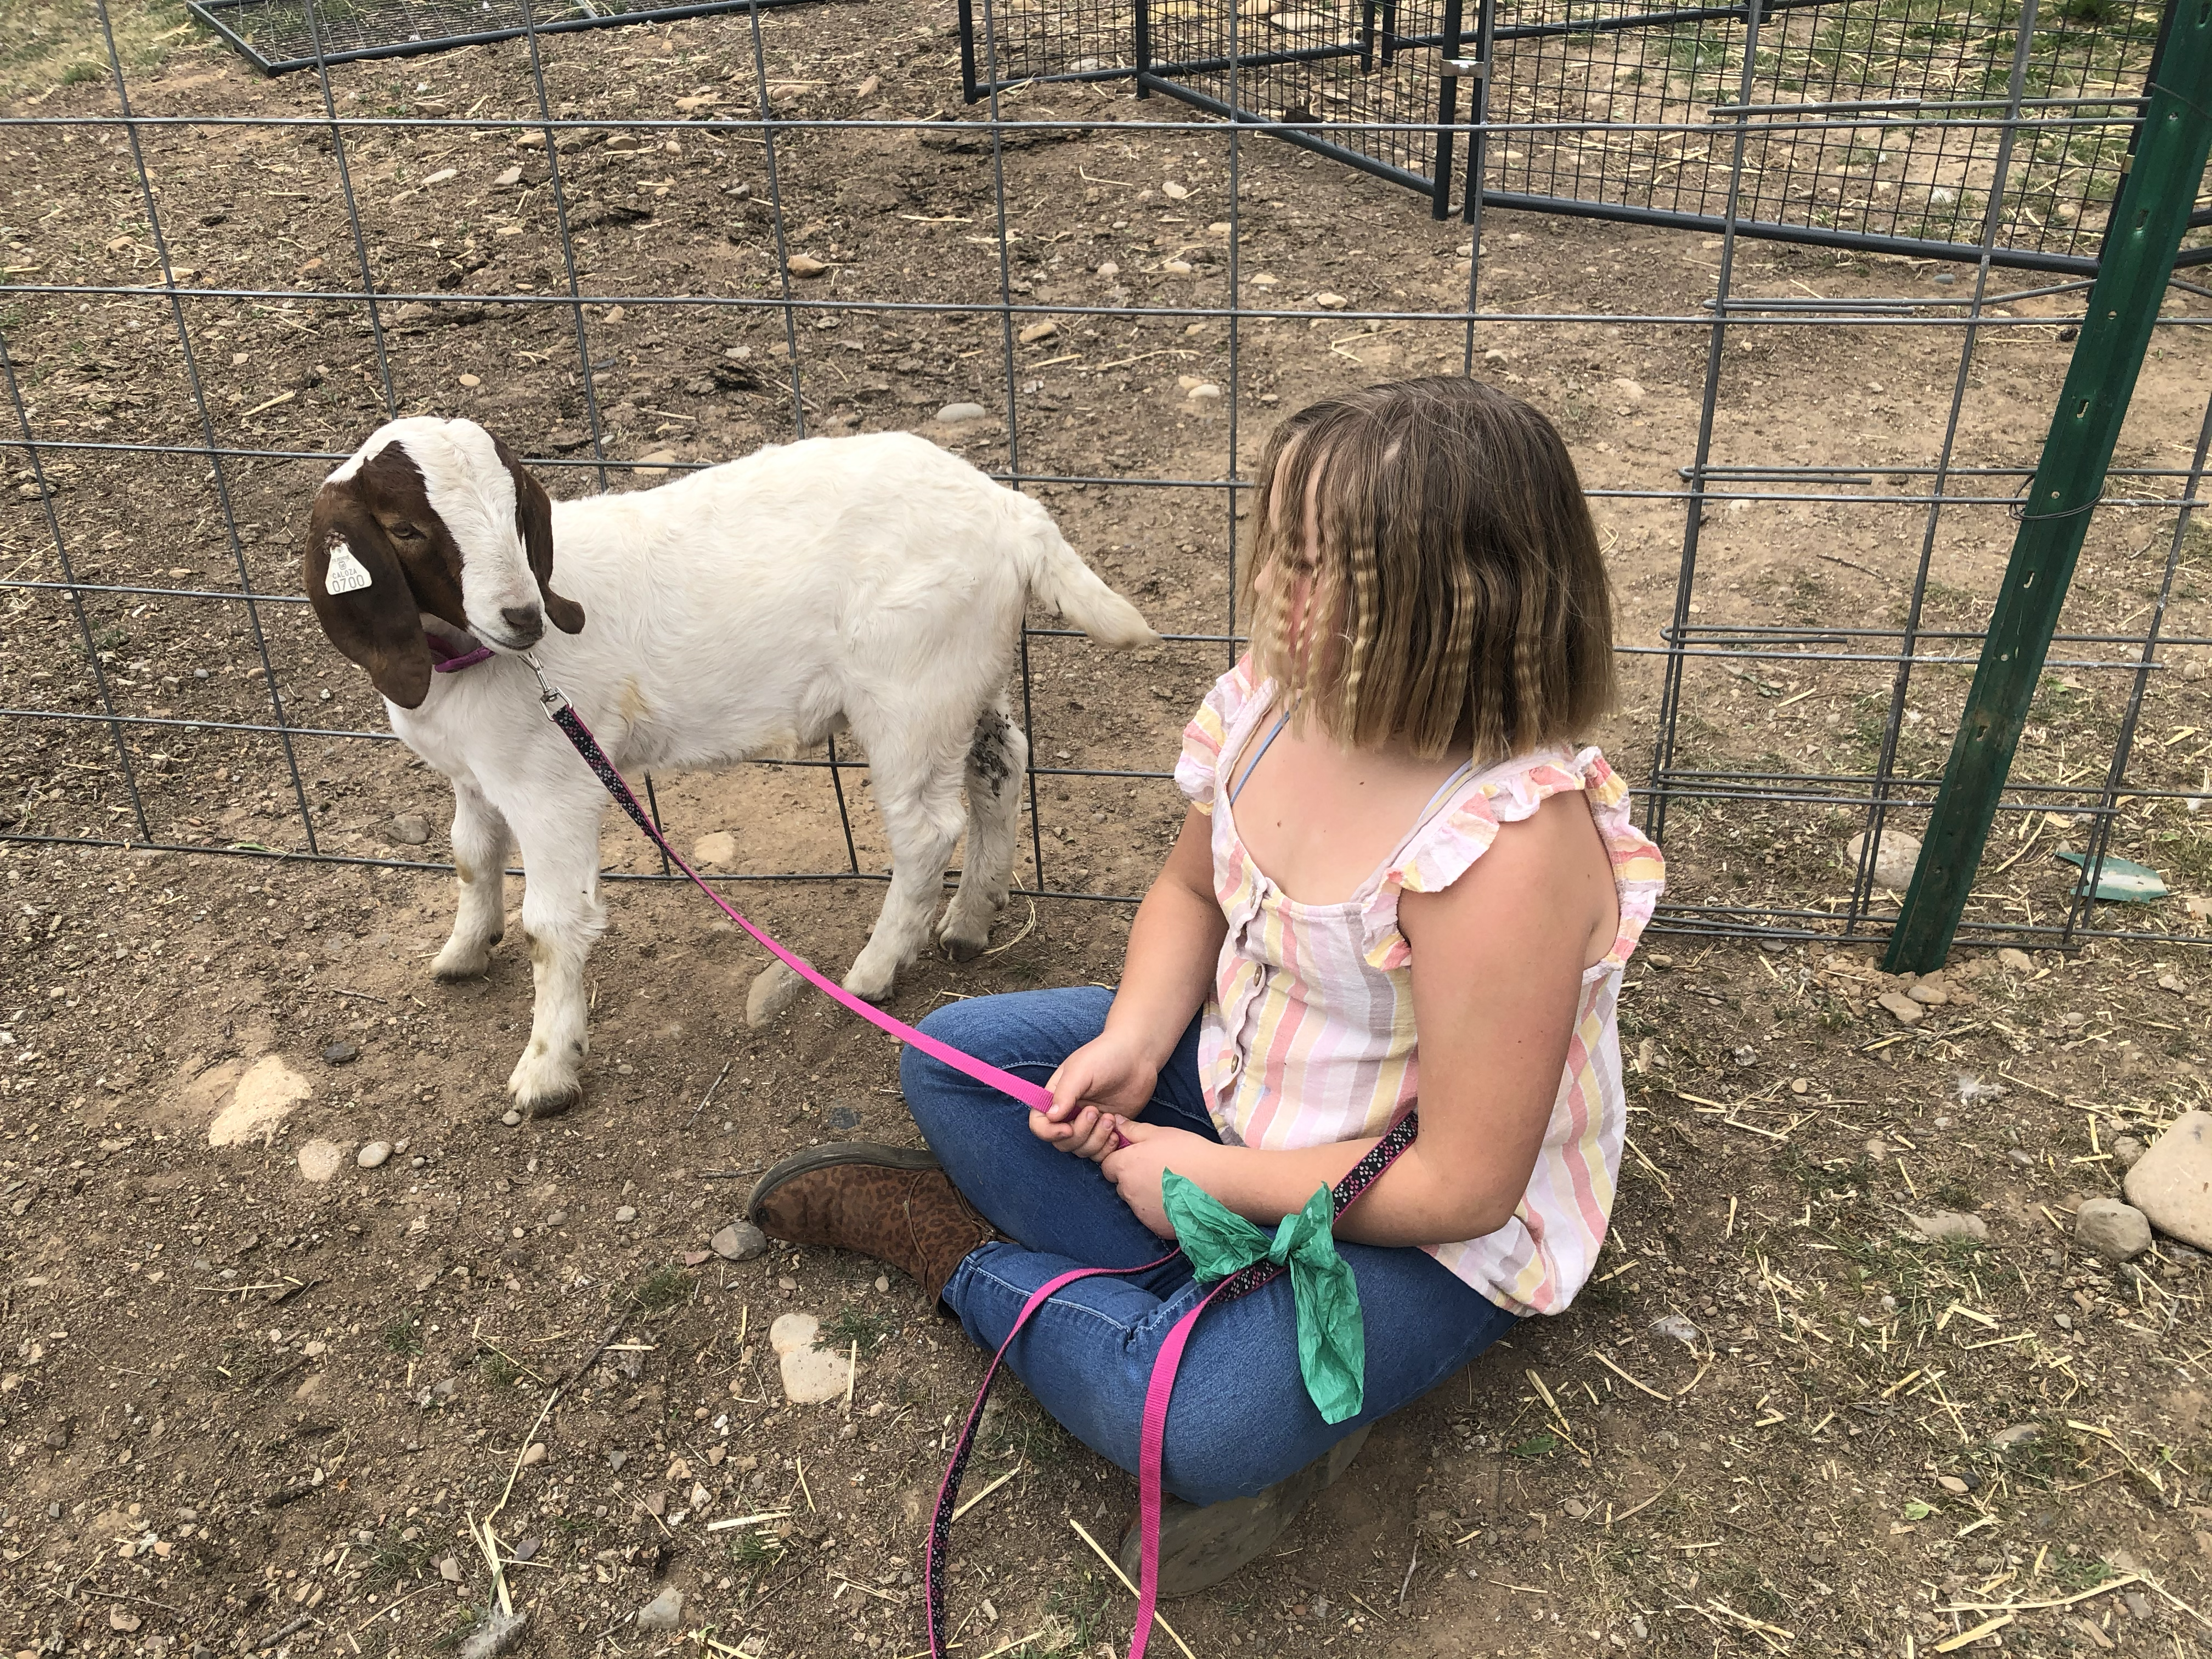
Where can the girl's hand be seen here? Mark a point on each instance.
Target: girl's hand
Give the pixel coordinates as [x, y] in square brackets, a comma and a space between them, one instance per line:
[1149, 1150]
[1105, 1080]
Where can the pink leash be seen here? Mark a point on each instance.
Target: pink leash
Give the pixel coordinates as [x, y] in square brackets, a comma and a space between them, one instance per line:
[1160, 1388]
[562, 714]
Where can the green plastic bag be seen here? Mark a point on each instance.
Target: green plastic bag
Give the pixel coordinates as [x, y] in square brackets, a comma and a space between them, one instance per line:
[1332, 1337]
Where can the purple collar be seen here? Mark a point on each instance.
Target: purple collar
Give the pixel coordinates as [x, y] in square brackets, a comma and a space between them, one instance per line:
[444, 660]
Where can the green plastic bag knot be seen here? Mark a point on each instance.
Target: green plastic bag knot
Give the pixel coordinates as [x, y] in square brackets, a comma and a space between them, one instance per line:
[1332, 1337]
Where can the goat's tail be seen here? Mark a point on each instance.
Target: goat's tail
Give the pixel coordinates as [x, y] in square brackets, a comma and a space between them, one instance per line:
[1059, 576]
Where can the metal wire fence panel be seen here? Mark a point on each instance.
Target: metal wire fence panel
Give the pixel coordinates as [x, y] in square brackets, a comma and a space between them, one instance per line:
[279, 36]
[631, 252]
[1870, 124]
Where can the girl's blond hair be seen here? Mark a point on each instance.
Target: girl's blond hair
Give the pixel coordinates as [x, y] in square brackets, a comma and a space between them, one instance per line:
[1455, 559]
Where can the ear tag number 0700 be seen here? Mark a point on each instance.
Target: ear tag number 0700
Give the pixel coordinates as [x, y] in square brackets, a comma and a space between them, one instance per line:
[346, 575]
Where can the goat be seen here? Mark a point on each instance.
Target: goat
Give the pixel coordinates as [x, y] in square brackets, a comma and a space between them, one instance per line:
[875, 584]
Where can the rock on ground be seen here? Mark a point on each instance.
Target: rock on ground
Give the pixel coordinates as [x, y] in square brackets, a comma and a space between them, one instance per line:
[2171, 1182]
[320, 1159]
[2114, 1231]
[1951, 1224]
[664, 1612]
[1902, 1008]
[498, 1633]
[372, 1155]
[811, 1375]
[259, 1102]
[739, 1242]
[719, 850]
[1896, 855]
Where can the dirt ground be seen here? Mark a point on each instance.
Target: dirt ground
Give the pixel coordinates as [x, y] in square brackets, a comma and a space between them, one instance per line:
[244, 1410]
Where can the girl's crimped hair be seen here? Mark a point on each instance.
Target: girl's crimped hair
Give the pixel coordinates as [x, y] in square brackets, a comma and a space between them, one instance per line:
[1450, 554]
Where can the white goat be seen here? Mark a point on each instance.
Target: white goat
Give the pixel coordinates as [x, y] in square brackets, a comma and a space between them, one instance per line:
[875, 584]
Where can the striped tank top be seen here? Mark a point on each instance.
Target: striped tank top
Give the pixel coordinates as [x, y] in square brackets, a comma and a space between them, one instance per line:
[1309, 1035]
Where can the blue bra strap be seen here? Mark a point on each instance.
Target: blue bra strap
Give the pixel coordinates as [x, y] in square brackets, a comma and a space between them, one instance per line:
[1237, 785]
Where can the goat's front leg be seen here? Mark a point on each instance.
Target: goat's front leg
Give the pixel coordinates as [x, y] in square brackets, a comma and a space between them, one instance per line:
[918, 797]
[561, 916]
[481, 840]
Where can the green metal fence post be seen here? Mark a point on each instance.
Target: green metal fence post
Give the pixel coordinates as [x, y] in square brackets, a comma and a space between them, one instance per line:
[2146, 229]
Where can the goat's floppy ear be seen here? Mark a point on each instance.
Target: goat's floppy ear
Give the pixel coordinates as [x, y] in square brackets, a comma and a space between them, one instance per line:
[533, 510]
[362, 599]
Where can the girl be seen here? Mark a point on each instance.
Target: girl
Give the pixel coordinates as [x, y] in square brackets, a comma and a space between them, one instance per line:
[1398, 877]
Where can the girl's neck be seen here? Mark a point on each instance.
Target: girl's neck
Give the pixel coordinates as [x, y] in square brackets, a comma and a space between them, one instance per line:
[1319, 818]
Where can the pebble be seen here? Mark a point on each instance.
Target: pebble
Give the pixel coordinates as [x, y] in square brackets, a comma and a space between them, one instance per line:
[533, 1455]
[495, 1634]
[341, 1053]
[2019, 1434]
[511, 1117]
[2127, 1151]
[2112, 1230]
[511, 176]
[320, 1159]
[2171, 1182]
[882, 1282]
[1206, 392]
[1951, 1224]
[1109, 268]
[954, 414]
[805, 265]
[664, 1612]
[718, 849]
[1902, 1008]
[1929, 993]
[627, 1213]
[811, 1375]
[840, 1118]
[450, 1570]
[2022, 1157]
[1896, 856]
[1038, 332]
[2019, 961]
[739, 1242]
[2065, 1322]
[373, 1156]
[411, 828]
[1330, 302]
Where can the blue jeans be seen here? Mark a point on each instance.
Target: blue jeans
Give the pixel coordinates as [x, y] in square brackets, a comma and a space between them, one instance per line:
[1241, 1419]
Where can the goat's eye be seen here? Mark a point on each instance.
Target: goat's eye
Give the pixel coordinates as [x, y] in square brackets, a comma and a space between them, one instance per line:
[406, 533]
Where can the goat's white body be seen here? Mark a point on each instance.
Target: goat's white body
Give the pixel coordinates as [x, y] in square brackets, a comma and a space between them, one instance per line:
[875, 583]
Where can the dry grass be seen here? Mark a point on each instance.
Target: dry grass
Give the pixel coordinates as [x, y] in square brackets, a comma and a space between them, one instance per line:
[45, 44]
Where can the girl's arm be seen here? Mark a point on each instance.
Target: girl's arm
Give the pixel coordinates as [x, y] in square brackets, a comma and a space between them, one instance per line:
[1498, 960]
[1173, 946]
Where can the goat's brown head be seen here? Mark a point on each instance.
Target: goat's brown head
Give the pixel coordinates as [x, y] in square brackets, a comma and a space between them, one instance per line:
[438, 519]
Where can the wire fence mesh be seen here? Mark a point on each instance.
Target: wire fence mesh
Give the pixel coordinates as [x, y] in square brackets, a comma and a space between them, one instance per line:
[631, 252]
[1866, 123]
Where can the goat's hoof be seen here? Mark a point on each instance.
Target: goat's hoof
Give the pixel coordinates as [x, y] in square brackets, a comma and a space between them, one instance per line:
[964, 947]
[459, 961]
[772, 989]
[870, 986]
[553, 1103]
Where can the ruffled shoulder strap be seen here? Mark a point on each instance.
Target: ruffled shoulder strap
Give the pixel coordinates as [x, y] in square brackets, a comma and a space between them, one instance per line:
[1207, 735]
[1445, 848]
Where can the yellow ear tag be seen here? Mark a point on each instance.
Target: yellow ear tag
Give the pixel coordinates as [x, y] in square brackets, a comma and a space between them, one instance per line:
[347, 574]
